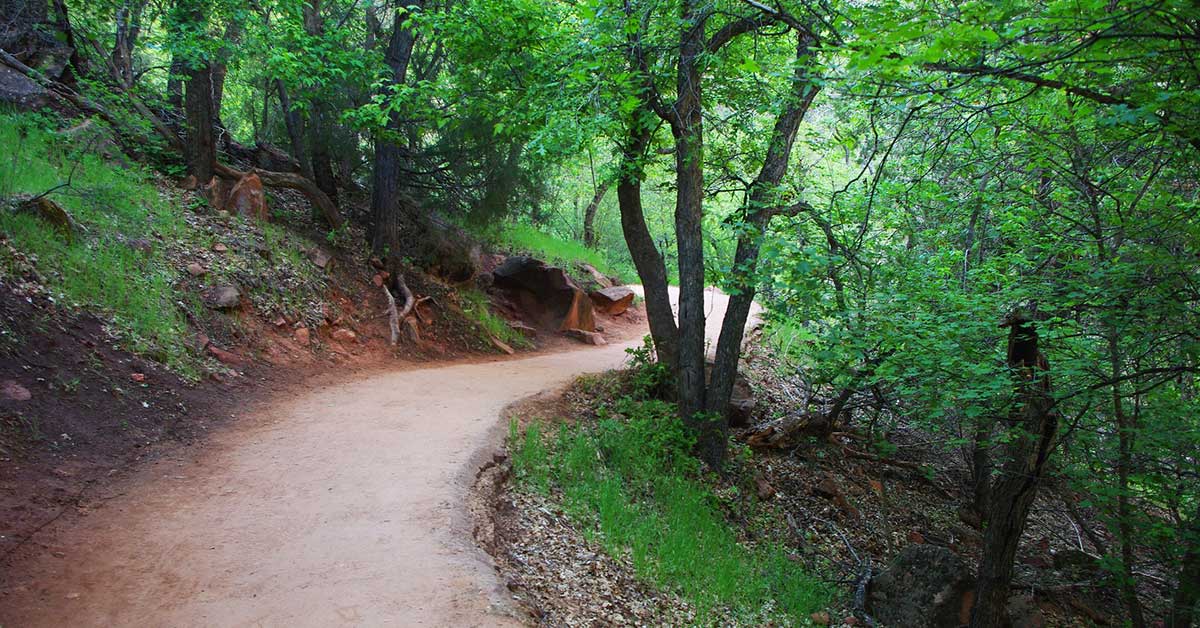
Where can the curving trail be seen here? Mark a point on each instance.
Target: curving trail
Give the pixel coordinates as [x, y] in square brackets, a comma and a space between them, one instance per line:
[341, 507]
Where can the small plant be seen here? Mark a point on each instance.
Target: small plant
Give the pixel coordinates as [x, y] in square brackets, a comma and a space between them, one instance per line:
[649, 376]
[477, 308]
[631, 484]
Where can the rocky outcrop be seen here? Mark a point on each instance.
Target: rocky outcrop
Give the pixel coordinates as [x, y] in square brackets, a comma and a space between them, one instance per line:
[247, 199]
[612, 301]
[925, 585]
[244, 197]
[223, 297]
[545, 294]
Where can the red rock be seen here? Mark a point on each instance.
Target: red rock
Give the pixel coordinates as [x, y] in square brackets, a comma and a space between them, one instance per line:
[321, 257]
[196, 270]
[850, 620]
[820, 619]
[247, 199]
[916, 538]
[225, 357]
[216, 192]
[587, 337]
[220, 248]
[344, 335]
[279, 321]
[764, 488]
[138, 377]
[302, 335]
[377, 280]
[612, 301]
[223, 297]
[14, 391]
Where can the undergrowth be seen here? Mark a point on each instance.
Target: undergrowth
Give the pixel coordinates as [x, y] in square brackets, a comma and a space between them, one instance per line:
[528, 240]
[107, 265]
[631, 484]
[477, 308]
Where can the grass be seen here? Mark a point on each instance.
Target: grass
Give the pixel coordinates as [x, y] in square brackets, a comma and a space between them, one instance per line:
[631, 485]
[528, 240]
[114, 204]
[477, 309]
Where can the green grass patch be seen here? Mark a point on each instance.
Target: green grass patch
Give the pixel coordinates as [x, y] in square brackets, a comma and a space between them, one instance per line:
[115, 205]
[478, 309]
[631, 484]
[528, 240]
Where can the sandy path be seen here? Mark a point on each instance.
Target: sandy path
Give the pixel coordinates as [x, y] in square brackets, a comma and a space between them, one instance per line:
[343, 506]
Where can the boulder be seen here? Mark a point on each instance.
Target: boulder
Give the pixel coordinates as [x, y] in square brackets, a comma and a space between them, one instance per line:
[612, 301]
[225, 357]
[586, 337]
[301, 335]
[545, 294]
[14, 392]
[223, 297]
[196, 270]
[344, 335]
[321, 257]
[21, 91]
[247, 199]
[217, 192]
[925, 585]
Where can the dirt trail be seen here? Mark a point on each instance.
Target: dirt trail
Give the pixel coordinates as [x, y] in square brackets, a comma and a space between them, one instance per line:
[343, 506]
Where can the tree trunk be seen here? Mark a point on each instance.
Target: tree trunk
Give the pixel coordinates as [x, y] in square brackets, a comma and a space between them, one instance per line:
[687, 126]
[589, 213]
[761, 206]
[1186, 605]
[318, 142]
[74, 67]
[295, 129]
[1025, 457]
[129, 28]
[387, 208]
[201, 147]
[646, 256]
[981, 467]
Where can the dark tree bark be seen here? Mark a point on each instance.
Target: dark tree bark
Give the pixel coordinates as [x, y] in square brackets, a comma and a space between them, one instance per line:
[589, 213]
[687, 127]
[62, 22]
[321, 162]
[761, 206]
[201, 145]
[129, 29]
[388, 211]
[295, 129]
[646, 256]
[1025, 457]
[200, 148]
[1185, 608]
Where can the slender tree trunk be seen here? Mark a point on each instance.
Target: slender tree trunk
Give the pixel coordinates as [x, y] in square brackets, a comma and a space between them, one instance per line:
[318, 142]
[761, 206]
[589, 213]
[981, 467]
[646, 256]
[62, 21]
[1185, 608]
[129, 27]
[687, 125]
[1126, 432]
[295, 129]
[387, 210]
[1015, 487]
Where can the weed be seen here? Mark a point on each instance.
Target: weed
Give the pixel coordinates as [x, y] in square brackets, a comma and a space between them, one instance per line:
[530, 241]
[114, 204]
[632, 485]
[477, 308]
